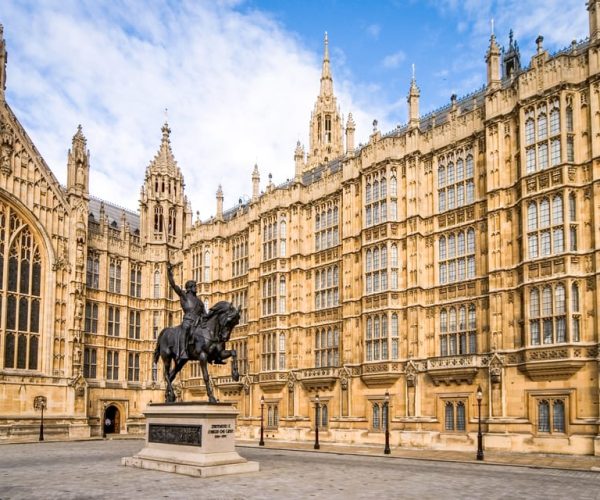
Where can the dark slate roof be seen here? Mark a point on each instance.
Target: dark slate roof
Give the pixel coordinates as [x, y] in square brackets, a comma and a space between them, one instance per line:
[114, 214]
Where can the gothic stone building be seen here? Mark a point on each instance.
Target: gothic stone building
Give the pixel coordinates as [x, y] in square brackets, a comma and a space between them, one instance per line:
[457, 251]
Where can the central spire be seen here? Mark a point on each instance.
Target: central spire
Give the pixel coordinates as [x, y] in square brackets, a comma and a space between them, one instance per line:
[325, 140]
[326, 80]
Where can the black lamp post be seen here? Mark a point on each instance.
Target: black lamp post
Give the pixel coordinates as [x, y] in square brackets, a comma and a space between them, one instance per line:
[262, 429]
[479, 435]
[316, 447]
[386, 416]
[39, 403]
[103, 423]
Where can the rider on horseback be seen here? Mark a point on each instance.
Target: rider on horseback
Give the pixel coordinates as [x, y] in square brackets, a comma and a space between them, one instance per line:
[193, 309]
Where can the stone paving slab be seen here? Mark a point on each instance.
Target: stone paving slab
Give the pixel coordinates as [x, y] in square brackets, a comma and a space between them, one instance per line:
[92, 470]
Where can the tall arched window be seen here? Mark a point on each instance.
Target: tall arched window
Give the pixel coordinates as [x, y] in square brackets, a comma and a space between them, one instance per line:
[20, 290]
[548, 318]
[529, 132]
[282, 241]
[156, 284]
[393, 186]
[282, 294]
[449, 416]
[206, 267]
[545, 227]
[158, 221]
[324, 415]
[282, 351]
[376, 417]
[172, 222]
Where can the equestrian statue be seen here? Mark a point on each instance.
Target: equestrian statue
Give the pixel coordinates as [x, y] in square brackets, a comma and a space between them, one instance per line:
[200, 337]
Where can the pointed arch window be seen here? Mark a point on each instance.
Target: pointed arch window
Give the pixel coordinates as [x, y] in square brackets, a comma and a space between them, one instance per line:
[172, 223]
[456, 257]
[206, 273]
[156, 284]
[282, 294]
[545, 227]
[283, 238]
[20, 291]
[455, 180]
[376, 338]
[377, 199]
[158, 222]
[327, 342]
[455, 417]
[458, 330]
[542, 136]
[548, 314]
[376, 417]
[551, 415]
[376, 269]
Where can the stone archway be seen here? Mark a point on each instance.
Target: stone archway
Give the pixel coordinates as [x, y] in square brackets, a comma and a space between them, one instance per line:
[112, 420]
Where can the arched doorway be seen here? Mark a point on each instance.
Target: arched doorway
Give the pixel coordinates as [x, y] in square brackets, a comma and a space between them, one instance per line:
[112, 420]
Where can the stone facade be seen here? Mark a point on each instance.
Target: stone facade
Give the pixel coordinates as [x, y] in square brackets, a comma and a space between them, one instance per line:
[455, 252]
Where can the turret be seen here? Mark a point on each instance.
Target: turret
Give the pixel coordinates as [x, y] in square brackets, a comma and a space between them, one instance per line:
[511, 59]
[593, 7]
[299, 161]
[413, 102]
[492, 59]
[220, 203]
[350, 128]
[78, 166]
[255, 183]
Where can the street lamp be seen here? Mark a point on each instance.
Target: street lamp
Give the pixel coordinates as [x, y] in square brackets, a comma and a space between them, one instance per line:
[103, 422]
[262, 412]
[317, 407]
[479, 435]
[386, 415]
[39, 403]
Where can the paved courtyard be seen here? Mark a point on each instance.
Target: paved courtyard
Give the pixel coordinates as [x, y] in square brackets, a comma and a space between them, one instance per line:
[91, 469]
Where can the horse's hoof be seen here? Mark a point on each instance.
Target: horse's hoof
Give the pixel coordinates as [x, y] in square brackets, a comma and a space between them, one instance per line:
[212, 400]
[236, 377]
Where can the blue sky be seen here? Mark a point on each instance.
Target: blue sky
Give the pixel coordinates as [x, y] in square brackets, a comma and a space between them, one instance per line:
[240, 78]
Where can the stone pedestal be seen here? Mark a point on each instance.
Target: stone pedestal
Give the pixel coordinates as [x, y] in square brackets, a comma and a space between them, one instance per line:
[195, 439]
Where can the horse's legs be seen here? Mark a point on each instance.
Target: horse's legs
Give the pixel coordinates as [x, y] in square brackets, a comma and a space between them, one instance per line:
[169, 394]
[235, 374]
[178, 367]
[204, 366]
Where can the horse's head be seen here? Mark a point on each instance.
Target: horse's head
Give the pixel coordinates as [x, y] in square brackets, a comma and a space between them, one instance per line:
[222, 318]
[228, 320]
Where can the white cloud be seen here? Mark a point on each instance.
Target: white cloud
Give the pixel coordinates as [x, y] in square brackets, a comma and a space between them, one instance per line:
[237, 87]
[393, 60]
[374, 30]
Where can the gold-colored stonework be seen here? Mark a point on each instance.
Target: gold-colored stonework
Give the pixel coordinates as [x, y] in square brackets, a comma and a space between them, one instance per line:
[456, 251]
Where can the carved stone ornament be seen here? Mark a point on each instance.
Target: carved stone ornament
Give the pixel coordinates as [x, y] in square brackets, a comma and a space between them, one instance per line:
[411, 374]
[6, 148]
[496, 369]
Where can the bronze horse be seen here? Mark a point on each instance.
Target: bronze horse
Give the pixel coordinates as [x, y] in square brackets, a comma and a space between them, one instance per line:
[207, 346]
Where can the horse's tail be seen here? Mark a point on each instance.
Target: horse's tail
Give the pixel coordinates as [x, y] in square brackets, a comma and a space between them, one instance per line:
[157, 349]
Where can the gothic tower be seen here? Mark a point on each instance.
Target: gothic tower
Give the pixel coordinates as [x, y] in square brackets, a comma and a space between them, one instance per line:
[163, 205]
[325, 122]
